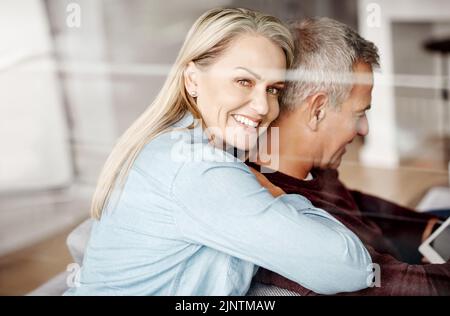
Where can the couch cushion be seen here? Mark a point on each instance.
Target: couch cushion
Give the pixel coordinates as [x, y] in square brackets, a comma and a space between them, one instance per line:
[259, 289]
[78, 239]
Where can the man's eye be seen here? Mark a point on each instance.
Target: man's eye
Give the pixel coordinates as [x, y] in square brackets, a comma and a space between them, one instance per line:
[273, 90]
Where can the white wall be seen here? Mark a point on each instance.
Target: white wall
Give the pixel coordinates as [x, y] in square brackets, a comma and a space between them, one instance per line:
[34, 149]
[382, 147]
[35, 152]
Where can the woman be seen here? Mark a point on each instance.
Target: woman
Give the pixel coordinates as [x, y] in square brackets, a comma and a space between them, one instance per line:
[179, 215]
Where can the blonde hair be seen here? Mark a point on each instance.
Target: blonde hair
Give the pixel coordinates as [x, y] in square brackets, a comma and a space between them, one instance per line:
[206, 40]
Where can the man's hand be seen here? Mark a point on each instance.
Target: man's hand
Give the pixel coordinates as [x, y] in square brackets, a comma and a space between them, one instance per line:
[427, 233]
[273, 189]
[429, 228]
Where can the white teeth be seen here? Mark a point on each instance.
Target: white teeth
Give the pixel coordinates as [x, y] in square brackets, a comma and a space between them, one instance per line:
[245, 121]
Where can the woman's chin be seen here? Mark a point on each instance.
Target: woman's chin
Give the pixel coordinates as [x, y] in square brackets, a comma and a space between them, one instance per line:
[244, 144]
[241, 139]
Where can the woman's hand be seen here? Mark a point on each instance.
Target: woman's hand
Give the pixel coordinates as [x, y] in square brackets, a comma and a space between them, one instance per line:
[273, 189]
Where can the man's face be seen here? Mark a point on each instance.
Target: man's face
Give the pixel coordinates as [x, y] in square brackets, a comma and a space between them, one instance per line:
[341, 124]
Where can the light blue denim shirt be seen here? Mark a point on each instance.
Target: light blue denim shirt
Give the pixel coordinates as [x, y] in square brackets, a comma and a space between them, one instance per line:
[193, 220]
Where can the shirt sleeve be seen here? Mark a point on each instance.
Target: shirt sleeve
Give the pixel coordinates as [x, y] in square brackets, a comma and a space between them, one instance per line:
[380, 208]
[392, 278]
[223, 206]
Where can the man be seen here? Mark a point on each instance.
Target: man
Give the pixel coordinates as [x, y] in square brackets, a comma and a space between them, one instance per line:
[323, 111]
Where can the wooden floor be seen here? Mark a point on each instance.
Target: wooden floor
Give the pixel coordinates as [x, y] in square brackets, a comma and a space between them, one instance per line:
[24, 270]
[406, 185]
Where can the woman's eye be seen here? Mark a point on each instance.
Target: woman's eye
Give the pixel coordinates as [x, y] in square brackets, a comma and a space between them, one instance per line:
[244, 82]
[274, 91]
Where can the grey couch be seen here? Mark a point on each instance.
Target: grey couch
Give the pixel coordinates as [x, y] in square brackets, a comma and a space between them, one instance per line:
[76, 243]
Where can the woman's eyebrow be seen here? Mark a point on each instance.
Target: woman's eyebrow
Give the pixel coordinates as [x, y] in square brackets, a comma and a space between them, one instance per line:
[254, 74]
[250, 72]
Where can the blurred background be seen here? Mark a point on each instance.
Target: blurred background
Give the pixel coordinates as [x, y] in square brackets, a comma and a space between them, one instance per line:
[75, 74]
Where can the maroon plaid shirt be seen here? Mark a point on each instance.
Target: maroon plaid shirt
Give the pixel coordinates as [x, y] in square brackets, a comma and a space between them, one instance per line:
[391, 233]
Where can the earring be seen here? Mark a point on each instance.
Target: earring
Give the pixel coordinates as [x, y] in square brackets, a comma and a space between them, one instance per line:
[193, 94]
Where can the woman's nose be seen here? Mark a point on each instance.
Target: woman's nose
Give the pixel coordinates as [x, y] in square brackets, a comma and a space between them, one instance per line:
[260, 103]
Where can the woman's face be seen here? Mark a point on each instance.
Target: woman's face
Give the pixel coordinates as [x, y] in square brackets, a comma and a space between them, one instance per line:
[238, 94]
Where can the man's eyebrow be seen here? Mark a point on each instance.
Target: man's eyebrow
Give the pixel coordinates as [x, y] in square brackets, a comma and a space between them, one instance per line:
[251, 72]
[366, 108]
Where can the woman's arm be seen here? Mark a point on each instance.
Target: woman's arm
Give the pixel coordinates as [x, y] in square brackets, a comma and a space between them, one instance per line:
[272, 188]
[223, 206]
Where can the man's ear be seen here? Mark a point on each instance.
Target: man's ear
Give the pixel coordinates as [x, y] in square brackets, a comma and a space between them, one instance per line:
[191, 79]
[316, 106]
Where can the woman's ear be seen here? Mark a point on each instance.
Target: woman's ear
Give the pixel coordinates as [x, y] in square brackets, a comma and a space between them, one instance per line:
[316, 105]
[191, 79]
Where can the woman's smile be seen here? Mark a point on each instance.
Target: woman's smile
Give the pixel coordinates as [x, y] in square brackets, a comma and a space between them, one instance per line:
[247, 123]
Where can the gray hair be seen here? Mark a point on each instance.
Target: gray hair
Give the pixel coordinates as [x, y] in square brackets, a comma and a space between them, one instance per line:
[326, 51]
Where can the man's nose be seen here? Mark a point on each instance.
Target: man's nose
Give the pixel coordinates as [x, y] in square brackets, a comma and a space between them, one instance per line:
[363, 126]
[260, 103]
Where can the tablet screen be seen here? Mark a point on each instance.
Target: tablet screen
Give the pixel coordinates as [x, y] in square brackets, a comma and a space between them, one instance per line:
[441, 244]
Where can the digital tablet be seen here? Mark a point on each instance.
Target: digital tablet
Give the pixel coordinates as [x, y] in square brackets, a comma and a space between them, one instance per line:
[436, 248]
